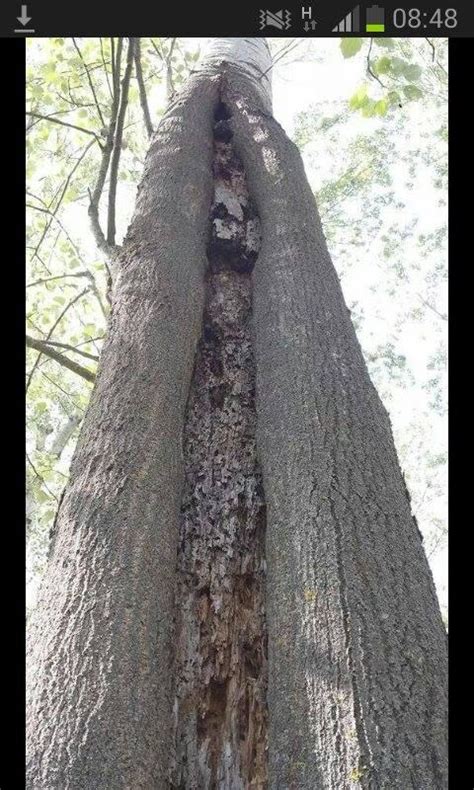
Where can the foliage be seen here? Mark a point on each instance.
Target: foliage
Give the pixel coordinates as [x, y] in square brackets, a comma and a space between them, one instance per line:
[397, 72]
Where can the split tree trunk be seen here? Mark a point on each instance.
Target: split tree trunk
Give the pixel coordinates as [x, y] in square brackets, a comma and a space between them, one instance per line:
[356, 646]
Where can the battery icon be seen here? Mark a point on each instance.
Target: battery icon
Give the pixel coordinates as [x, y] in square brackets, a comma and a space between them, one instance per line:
[375, 19]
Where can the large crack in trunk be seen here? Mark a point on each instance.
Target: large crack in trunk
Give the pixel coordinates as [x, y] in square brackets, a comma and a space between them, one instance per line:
[221, 646]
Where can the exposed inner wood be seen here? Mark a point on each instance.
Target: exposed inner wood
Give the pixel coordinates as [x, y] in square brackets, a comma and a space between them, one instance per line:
[221, 665]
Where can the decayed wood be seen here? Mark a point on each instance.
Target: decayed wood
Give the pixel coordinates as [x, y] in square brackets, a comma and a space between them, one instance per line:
[221, 668]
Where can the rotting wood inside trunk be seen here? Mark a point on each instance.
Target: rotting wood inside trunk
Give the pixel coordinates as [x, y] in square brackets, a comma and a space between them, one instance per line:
[221, 644]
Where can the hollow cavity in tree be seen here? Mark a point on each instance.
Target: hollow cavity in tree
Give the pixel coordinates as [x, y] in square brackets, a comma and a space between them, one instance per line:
[221, 646]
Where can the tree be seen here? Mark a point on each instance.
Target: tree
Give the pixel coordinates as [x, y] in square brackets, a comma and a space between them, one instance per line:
[235, 468]
[367, 203]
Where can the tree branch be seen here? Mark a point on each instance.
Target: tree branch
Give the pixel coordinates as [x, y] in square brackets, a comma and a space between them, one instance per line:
[66, 184]
[60, 317]
[370, 71]
[44, 348]
[169, 72]
[105, 68]
[58, 277]
[64, 123]
[40, 478]
[166, 60]
[65, 392]
[117, 146]
[141, 89]
[430, 306]
[93, 211]
[67, 346]
[91, 84]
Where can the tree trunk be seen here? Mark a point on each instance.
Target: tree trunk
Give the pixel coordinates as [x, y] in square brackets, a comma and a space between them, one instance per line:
[235, 483]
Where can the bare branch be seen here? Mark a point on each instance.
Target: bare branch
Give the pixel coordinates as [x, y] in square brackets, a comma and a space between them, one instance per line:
[430, 306]
[166, 60]
[117, 149]
[141, 89]
[170, 91]
[75, 349]
[40, 478]
[370, 71]
[285, 50]
[65, 392]
[44, 348]
[433, 51]
[58, 277]
[49, 335]
[64, 123]
[91, 84]
[66, 184]
[97, 231]
[104, 62]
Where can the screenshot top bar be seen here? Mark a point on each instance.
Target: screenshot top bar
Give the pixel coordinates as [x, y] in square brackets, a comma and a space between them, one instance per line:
[314, 18]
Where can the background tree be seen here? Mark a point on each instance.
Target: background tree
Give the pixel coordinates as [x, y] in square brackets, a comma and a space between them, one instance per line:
[325, 485]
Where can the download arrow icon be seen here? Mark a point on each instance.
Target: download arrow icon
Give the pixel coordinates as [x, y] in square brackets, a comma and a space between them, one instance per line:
[24, 18]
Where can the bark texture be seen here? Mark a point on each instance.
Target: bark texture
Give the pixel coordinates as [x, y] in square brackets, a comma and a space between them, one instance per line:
[220, 708]
[357, 689]
[99, 685]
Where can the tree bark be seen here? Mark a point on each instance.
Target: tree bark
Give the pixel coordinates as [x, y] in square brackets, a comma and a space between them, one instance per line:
[99, 685]
[356, 646]
[357, 689]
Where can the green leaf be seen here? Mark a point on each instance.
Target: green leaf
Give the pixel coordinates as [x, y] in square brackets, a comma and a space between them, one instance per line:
[393, 97]
[359, 98]
[412, 92]
[368, 110]
[398, 66]
[388, 43]
[42, 496]
[411, 72]
[50, 72]
[36, 90]
[381, 107]
[382, 65]
[350, 46]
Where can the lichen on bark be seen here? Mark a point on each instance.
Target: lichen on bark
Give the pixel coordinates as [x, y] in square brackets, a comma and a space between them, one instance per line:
[221, 651]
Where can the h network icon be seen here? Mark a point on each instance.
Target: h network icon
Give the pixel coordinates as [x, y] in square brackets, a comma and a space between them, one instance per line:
[279, 19]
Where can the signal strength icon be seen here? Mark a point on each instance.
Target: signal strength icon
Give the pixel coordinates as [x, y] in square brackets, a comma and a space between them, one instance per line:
[350, 23]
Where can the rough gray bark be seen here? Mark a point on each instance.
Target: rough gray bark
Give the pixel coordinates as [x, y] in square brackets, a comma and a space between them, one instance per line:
[356, 645]
[99, 685]
[357, 689]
